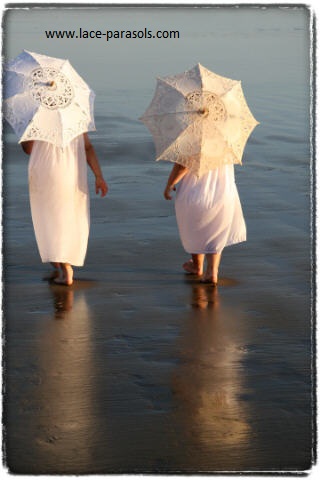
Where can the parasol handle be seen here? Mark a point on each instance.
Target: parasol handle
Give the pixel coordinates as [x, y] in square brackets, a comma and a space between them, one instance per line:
[51, 84]
[203, 111]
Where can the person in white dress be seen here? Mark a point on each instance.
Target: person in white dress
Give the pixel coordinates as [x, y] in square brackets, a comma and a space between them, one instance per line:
[209, 216]
[59, 200]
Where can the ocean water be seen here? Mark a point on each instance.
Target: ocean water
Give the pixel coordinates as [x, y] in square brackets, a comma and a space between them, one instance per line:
[269, 50]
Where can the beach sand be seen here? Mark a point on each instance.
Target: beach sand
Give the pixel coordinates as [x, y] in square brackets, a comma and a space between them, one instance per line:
[138, 368]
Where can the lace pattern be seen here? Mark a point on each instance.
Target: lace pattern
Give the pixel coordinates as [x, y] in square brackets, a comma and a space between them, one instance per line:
[57, 137]
[50, 88]
[199, 119]
[46, 99]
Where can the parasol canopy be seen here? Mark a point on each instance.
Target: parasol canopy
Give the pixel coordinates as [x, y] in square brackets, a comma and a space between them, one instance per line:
[199, 119]
[46, 99]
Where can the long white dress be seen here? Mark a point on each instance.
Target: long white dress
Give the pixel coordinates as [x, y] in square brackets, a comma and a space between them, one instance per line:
[59, 201]
[208, 211]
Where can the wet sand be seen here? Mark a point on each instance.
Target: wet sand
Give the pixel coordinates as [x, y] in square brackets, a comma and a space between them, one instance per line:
[138, 368]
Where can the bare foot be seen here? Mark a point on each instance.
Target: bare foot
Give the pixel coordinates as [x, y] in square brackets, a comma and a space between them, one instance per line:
[62, 281]
[66, 275]
[190, 267]
[209, 281]
[55, 273]
[210, 278]
[211, 275]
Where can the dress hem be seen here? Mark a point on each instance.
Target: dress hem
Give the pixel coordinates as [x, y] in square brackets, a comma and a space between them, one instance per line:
[73, 264]
[207, 252]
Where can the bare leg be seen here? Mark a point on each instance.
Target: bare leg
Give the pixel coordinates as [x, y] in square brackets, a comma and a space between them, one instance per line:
[56, 272]
[67, 275]
[213, 262]
[195, 265]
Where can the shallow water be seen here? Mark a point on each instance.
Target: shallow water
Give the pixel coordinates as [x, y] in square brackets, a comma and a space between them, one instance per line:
[137, 367]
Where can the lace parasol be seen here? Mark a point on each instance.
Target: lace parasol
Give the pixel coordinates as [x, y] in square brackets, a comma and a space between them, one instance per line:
[199, 119]
[45, 99]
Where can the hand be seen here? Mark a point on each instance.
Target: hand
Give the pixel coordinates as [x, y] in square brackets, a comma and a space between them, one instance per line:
[167, 192]
[101, 186]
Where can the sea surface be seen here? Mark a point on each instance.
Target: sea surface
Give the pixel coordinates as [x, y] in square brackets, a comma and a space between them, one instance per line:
[138, 367]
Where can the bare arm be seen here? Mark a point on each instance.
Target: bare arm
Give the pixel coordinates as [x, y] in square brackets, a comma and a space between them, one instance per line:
[177, 173]
[27, 146]
[93, 163]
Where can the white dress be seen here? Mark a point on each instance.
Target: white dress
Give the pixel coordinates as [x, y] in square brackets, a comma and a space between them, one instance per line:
[59, 200]
[208, 211]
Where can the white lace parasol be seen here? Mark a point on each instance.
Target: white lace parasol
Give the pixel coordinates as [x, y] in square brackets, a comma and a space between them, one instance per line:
[199, 119]
[45, 99]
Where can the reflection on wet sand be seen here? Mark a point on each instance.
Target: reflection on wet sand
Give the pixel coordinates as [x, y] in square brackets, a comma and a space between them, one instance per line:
[208, 383]
[66, 425]
[63, 301]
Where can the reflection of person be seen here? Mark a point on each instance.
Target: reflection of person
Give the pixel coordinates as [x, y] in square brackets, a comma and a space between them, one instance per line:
[209, 216]
[208, 385]
[63, 302]
[66, 395]
[59, 200]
